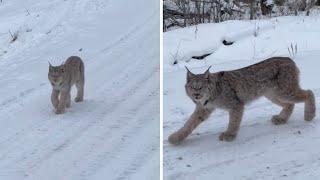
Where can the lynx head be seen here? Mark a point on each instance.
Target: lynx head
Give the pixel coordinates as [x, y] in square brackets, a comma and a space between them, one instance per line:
[197, 86]
[56, 74]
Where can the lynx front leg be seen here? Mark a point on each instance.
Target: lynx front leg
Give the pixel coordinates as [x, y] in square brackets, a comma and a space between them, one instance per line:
[235, 117]
[55, 98]
[68, 103]
[63, 102]
[80, 89]
[199, 115]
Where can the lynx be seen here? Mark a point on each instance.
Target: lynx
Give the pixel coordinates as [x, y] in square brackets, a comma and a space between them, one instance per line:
[62, 78]
[276, 78]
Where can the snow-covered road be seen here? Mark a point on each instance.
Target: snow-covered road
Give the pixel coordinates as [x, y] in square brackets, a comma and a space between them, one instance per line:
[114, 133]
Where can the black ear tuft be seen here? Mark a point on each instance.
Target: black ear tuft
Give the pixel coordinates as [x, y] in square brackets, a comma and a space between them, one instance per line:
[220, 74]
[207, 73]
[189, 74]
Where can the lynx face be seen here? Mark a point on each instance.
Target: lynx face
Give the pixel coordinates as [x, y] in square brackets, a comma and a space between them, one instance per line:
[197, 87]
[56, 74]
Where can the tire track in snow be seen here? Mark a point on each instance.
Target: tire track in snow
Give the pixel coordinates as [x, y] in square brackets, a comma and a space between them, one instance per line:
[42, 145]
[127, 92]
[97, 123]
[132, 135]
[122, 72]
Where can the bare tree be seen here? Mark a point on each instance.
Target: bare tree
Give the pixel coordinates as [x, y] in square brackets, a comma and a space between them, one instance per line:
[182, 13]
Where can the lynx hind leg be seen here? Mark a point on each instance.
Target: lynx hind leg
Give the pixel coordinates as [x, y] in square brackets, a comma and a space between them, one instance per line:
[235, 117]
[80, 89]
[80, 84]
[283, 116]
[305, 96]
[310, 106]
[68, 101]
[289, 91]
[199, 115]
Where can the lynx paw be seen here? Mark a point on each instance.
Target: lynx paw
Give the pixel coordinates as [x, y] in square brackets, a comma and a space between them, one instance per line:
[175, 138]
[59, 111]
[55, 106]
[310, 107]
[309, 115]
[277, 120]
[78, 99]
[225, 136]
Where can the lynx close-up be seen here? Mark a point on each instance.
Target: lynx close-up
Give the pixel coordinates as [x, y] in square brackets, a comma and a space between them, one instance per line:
[62, 78]
[276, 78]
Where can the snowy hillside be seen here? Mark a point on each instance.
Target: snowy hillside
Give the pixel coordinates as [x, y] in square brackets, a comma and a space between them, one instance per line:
[261, 149]
[101, 137]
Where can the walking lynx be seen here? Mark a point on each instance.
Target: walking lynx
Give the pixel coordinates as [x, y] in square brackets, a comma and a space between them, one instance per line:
[62, 78]
[276, 78]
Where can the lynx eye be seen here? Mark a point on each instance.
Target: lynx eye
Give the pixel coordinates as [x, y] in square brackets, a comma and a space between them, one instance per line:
[197, 88]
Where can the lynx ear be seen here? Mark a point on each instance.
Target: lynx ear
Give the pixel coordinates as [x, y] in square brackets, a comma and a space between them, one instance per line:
[50, 65]
[189, 74]
[207, 73]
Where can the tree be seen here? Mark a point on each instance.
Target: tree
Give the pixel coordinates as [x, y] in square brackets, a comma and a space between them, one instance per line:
[253, 10]
[265, 7]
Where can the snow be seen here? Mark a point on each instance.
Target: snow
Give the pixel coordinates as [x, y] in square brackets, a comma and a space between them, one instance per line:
[261, 149]
[114, 133]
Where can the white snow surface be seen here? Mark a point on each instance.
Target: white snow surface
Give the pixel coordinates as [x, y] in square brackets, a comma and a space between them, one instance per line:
[114, 133]
[261, 150]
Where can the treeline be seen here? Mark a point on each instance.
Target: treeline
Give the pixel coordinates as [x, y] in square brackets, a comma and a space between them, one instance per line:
[182, 13]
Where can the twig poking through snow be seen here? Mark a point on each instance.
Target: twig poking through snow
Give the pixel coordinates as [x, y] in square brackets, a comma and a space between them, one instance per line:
[256, 30]
[176, 54]
[293, 50]
[14, 36]
[27, 12]
[196, 32]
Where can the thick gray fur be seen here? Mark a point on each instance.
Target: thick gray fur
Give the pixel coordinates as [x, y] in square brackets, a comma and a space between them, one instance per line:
[62, 78]
[276, 78]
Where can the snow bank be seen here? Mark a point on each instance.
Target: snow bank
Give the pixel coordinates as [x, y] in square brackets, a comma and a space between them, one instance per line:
[254, 40]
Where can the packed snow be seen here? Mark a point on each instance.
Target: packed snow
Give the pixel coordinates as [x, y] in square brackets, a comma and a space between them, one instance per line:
[261, 150]
[114, 133]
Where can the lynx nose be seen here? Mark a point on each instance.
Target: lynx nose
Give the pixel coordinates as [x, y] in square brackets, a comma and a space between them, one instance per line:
[196, 95]
[55, 80]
